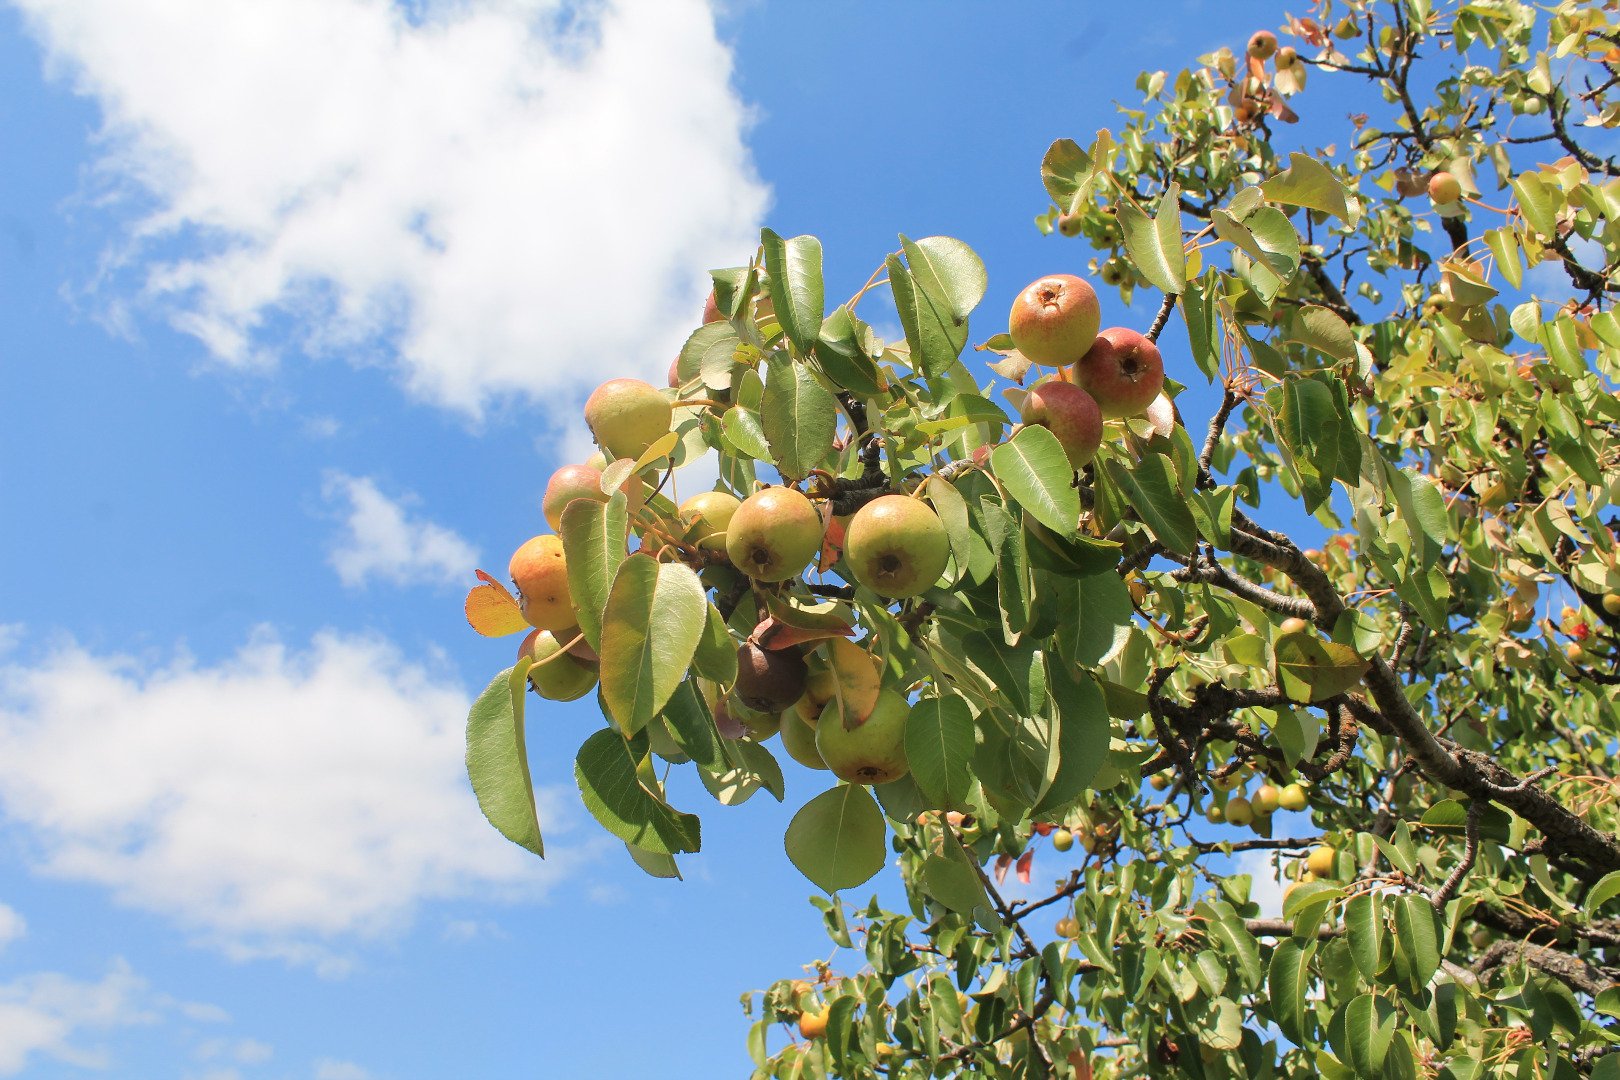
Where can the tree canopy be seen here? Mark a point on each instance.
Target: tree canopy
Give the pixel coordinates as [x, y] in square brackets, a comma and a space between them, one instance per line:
[1378, 590]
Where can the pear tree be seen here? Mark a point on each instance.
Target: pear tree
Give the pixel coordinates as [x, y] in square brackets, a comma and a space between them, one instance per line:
[1274, 537]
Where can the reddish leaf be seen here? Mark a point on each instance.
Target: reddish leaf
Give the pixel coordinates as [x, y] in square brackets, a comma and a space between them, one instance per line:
[832, 545]
[775, 634]
[1024, 861]
[1002, 863]
[1279, 109]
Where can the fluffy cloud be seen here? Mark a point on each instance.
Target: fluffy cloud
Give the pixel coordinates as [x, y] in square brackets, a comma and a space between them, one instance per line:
[1267, 887]
[280, 803]
[12, 925]
[498, 196]
[381, 540]
[48, 1015]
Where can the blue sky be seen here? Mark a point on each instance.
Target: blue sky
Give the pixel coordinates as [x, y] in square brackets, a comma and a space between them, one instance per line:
[298, 304]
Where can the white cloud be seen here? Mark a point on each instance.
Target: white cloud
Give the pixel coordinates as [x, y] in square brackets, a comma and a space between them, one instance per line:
[517, 196]
[48, 1014]
[12, 925]
[280, 803]
[380, 540]
[331, 1069]
[1267, 887]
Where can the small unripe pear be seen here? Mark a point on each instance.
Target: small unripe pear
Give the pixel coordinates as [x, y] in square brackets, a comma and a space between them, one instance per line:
[799, 740]
[1292, 797]
[1286, 58]
[1321, 861]
[1263, 45]
[539, 572]
[874, 752]
[896, 546]
[1161, 779]
[1123, 372]
[1444, 188]
[567, 484]
[1214, 815]
[1066, 927]
[564, 679]
[709, 514]
[773, 534]
[711, 309]
[1062, 840]
[1611, 603]
[627, 416]
[1069, 224]
[1266, 799]
[1294, 626]
[1239, 811]
[1055, 319]
[813, 1025]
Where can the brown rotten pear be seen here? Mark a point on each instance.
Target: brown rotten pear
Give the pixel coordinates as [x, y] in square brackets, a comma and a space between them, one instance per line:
[627, 416]
[1070, 414]
[708, 514]
[562, 679]
[540, 574]
[872, 752]
[769, 680]
[1123, 372]
[1054, 320]
[773, 534]
[896, 546]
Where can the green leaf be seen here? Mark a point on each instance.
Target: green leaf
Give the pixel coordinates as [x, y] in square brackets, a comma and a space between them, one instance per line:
[842, 354]
[1607, 888]
[1151, 490]
[952, 509]
[1368, 934]
[939, 747]
[796, 289]
[1200, 307]
[711, 352]
[1310, 669]
[1418, 936]
[1323, 330]
[1083, 734]
[498, 760]
[1287, 982]
[750, 768]
[1307, 182]
[655, 864]
[1538, 201]
[1235, 940]
[799, 417]
[931, 297]
[692, 726]
[953, 883]
[1037, 474]
[1154, 244]
[1101, 621]
[716, 655]
[837, 839]
[745, 433]
[654, 620]
[617, 799]
[594, 536]
[1268, 239]
[1369, 1025]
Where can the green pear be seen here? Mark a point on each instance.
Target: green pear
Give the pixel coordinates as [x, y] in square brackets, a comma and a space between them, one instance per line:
[565, 678]
[874, 751]
[799, 740]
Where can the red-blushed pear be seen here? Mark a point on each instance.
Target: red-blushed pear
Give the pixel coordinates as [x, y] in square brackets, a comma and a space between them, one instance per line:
[1444, 188]
[1263, 45]
[567, 484]
[711, 309]
[873, 752]
[1070, 414]
[769, 680]
[1054, 320]
[627, 416]
[562, 679]
[773, 534]
[675, 372]
[896, 546]
[708, 514]
[1123, 372]
[540, 574]
[799, 740]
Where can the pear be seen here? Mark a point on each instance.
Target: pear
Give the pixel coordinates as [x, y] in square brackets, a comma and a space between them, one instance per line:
[799, 740]
[874, 751]
[627, 416]
[773, 534]
[769, 680]
[563, 679]
[896, 546]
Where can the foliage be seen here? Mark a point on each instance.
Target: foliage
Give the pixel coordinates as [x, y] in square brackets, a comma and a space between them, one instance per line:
[1430, 387]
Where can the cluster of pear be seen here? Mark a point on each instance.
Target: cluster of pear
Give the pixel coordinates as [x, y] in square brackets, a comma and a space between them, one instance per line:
[1322, 861]
[1102, 374]
[1242, 807]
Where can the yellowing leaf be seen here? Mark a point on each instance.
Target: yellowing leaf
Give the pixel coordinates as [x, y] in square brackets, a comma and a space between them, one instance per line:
[493, 611]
